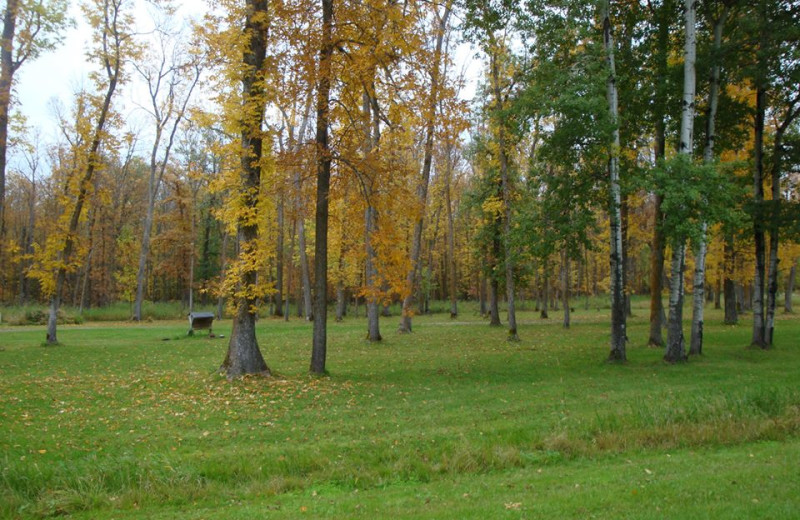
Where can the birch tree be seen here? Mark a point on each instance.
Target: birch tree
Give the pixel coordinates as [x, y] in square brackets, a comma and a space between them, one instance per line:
[698, 287]
[618, 316]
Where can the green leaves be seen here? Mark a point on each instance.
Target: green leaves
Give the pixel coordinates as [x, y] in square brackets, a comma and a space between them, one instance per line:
[692, 194]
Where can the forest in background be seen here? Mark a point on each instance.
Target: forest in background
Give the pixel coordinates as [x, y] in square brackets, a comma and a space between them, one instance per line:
[216, 199]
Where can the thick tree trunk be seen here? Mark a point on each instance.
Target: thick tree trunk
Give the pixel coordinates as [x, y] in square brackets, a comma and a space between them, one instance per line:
[787, 304]
[244, 356]
[320, 335]
[618, 318]
[494, 309]
[676, 346]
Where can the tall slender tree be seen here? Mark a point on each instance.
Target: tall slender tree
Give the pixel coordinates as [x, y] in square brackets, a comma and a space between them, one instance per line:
[171, 75]
[618, 316]
[113, 47]
[319, 340]
[698, 287]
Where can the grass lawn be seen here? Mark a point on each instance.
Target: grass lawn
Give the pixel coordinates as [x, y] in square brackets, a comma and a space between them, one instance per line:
[451, 421]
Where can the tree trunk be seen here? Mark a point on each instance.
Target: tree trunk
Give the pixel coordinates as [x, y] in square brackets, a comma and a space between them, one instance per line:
[731, 314]
[618, 318]
[222, 269]
[289, 271]
[482, 293]
[279, 259]
[676, 346]
[244, 356]
[718, 294]
[696, 342]
[565, 286]
[320, 338]
[759, 332]
[341, 301]
[626, 268]
[412, 280]
[304, 270]
[728, 284]
[657, 320]
[451, 241]
[370, 279]
[7, 70]
[787, 305]
[505, 182]
[698, 295]
[545, 294]
[494, 310]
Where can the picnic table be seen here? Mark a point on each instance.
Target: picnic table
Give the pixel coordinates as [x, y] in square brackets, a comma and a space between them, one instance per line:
[200, 321]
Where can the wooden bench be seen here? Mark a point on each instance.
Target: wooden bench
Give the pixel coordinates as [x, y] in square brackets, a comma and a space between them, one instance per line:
[200, 321]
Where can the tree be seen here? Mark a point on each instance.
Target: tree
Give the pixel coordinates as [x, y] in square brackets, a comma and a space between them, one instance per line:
[30, 27]
[114, 46]
[675, 350]
[488, 23]
[774, 74]
[170, 76]
[618, 315]
[319, 340]
[422, 186]
[244, 356]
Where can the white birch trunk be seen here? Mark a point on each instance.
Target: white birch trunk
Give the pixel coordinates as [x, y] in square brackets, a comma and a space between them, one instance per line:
[618, 318]
[676, 349]
[696, 341]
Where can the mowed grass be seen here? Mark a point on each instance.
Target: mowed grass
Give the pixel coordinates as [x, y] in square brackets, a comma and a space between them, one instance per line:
[451, 421]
